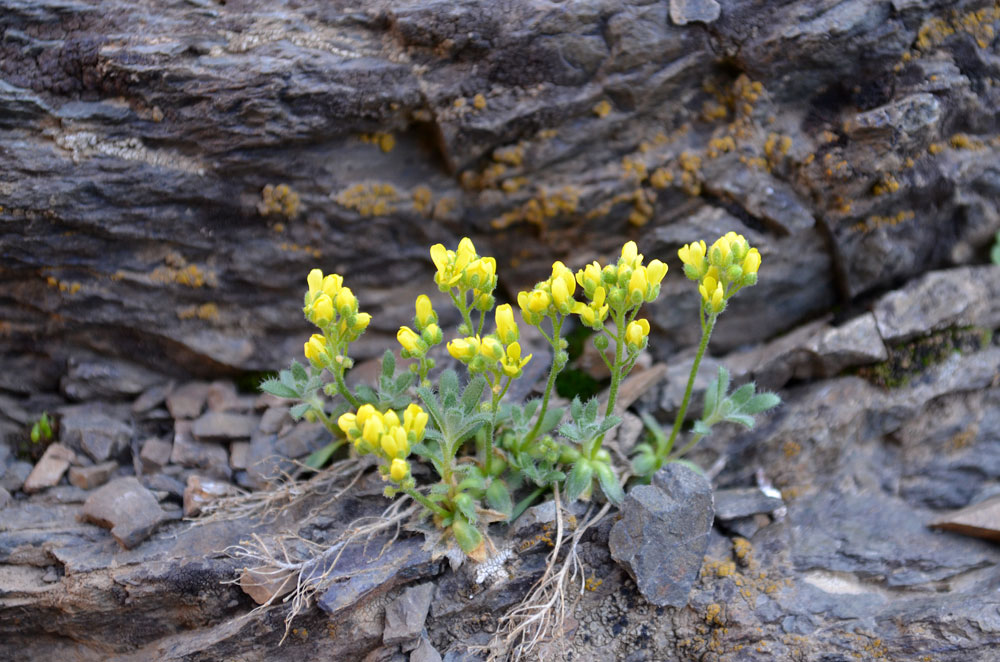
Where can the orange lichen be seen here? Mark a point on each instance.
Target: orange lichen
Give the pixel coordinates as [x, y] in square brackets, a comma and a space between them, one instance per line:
[479, 102]
[888, 184]
[602, 108]
[206, 311]
[384, 141]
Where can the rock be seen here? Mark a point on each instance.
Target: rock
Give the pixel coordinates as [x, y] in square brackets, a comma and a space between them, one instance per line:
[207, 456]
[200, 491]
[301, 440]
[662, 535]
[425, 652]
[274, 419]
[222, 396]
[939, 300]
[125, 507]
[94, 432]
[50, 469]
[17, 472]
[155, 455]
[264, 465]
[187, 401]
[163, 483]
[92, 378]
[981, 519]
[87, 478]
[683, 12]
[152, 397]
[239, 453]
[267, 583]
[734, 503]
[678, 371]
[405, 616]
[223, 426]
[5, 498]
[812, 351]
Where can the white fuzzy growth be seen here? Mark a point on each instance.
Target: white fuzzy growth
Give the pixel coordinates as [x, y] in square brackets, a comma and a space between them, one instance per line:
[492, 569]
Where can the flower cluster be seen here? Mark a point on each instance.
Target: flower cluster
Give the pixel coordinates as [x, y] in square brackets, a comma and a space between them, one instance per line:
[625, 285]
[334, 309]
[495, 354]
[416, 343]
[386, 435]
[463, 270]
[729, 265]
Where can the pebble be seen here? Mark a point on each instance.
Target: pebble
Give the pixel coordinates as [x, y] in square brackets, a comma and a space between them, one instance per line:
[90, 477]
[222, 396]
[17, 472]
[239, 454]
[188, 400]
[127, 508]
[155, 455]
[50, 468]
[223, 426]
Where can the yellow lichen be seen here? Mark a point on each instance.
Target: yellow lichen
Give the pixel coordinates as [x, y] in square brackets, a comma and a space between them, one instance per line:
[512, 155]
[743, 551]
[964, 141]
[384, 141]
[888, 184]
[422, 198]
[661, 178]
[479, 102]
[280, 199]
[633, 167]
[602, 108]
[369, 198]
[206, 311]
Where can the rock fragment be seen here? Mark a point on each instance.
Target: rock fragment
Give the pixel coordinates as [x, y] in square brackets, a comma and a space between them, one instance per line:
[125, 507]
[662, 535]
[189, 452]
[188, 400]
[155, 455]
[425, 652]
[17, 472]
[87, 478]
[5, 498]
[405, 616]
[223, 426]
[222, 396]
[200, 491]
[683, 12]
[267, 583]
[95, 433]
[50, 469]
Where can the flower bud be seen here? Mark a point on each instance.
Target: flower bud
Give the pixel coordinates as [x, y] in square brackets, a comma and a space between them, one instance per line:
[561, 297]
[315, 281]
[751, 262]
[431, 334]
[361, 322]
[425, 312]
[346, 302]
[316, 348]
[332, 284]
[410, 341]
[636, 333]
[347, 423]
[399, 470]
[491, 348]
[629, 254]
[321, 312]
[464, 349]
[637, 286]
[506, 326]
[414, 420]
[655, 271]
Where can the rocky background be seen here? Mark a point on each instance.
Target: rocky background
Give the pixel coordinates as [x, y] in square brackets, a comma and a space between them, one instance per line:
[172, 170]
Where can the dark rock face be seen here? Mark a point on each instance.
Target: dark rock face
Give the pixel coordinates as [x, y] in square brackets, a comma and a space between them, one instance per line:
[662, 535]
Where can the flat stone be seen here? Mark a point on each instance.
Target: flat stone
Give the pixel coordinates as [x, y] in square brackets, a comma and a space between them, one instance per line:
[222, 396]
[94, 432]
[206, 456]
[152, 397]
[155, 455]
[683, 12]
[17, 472]
[405, 616]
[87, 478]
[677, 375]
[125, 507]
[425, 652]
[662, 535]
[981, 519]
[200, 491]
[274, 419]
[939, 300]
[223, 426]
[267, 583]
[50, 469]
[188, 400]
[96, 378]
[301, 440]
[164, 484]
[740, 502]
[239, 455]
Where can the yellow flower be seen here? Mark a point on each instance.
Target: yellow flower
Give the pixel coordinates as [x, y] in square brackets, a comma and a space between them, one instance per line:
[391, 419]
[464, 349]
[440, 257]
[361, 322]
[630, 255]
[322, 310]
[315, 280]
[538, 301]
[373, 429]
[347, 423]
[561, 272]
[506, 326]
[561, 296]
[712, 294]
[637, 285]
[414, 420]
[316, 348]
[388, 444]
[364, 413]
[491, 348]
[346, 301]
[512, 363]
[589, 277]
[480, 274]
[431, 334]
[693, 257]
[399, 469]
[751, 263]
[410, 341]
[465, 254]
[636, 333]
[655, 271]
[425, 312]
[332, 284]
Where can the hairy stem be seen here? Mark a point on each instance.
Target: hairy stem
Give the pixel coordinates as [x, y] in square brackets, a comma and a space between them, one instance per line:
[702, 346]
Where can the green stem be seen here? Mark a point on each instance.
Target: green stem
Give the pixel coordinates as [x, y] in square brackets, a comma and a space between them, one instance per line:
[685, 448]
[342, 387]
[616, 378]
[427, 503]
[705, 335]
[494, 407]
[525, 503]
[553, 373]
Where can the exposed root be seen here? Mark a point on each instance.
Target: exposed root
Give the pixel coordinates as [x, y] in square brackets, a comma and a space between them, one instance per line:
[541, 615]
[266, 505]
[293, 569]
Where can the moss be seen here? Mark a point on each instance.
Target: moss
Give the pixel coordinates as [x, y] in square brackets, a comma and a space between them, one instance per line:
[909, 359]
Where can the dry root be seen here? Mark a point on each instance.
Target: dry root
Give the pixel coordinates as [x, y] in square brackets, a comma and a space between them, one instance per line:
[541, 615]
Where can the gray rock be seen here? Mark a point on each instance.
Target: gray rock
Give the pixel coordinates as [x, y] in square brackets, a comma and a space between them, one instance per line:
[301, 440]
[152, 397]
[274, 419]
[207, 456]
[163, 483]
[222, 396]
[941, 299]
[405, 616]
[87, 478]
[200, 491]
[50, 469]
[187, 401]
[125, 507]
[155, 455]
[239, 454]
[94, 432]
[735, 503]
[223, 426]
[17, 472]
[662, 535]
[5, 498]
[90, 378]
[683, 12]
[425, 652]
[678, 371]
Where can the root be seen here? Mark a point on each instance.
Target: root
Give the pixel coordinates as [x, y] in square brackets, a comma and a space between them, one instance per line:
[267, 505]
[301, 568]
[541, 615]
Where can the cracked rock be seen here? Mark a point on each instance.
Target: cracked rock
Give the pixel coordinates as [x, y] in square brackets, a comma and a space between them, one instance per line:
[127, 508]
[50, 469]
[662, 535]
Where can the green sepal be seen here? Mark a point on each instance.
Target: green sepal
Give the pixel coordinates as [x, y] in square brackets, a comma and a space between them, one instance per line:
[466, 535]
[579, 479]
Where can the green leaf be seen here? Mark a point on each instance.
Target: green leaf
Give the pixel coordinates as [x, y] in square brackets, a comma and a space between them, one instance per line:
[552, 418]
[762, 402]
[466, 535]
[366, 394]
[498, 498]
[654, 427]
[288, 379]
[578, 480]
[274, 387]
[447, 383]
[473, 394]
[318, 458]
[466, 505]
[644, 464]
[590, 412]
[609, 483]
[388, 364]
[299, 372]
[743, 419]
[299, 410]
[576, 408]
[741, 395]
[702, 428]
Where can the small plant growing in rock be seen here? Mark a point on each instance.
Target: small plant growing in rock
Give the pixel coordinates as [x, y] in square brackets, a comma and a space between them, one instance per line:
[483, 451]
[41, 431]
